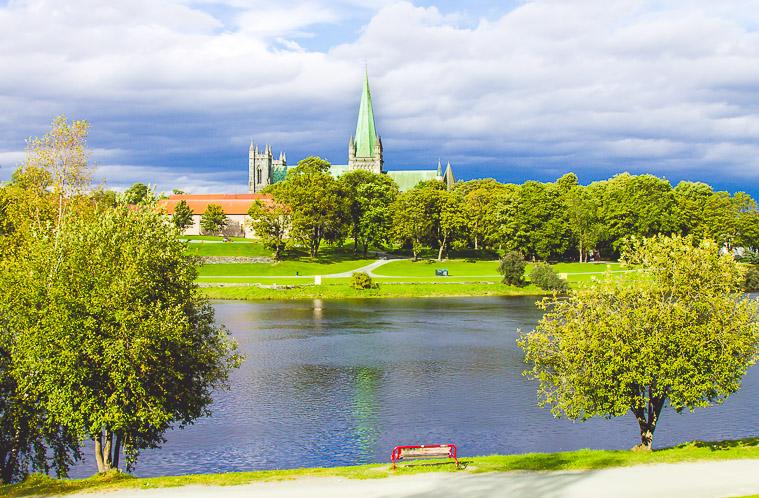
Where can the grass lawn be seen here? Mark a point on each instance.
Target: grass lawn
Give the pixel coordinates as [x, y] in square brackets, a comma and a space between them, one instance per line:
[236, 248]
[463, 268]
[282, 268]
[39, 485]
[342, 290]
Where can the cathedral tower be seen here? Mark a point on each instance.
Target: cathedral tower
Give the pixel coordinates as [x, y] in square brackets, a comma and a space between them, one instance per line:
[263, 169]
[365, 147]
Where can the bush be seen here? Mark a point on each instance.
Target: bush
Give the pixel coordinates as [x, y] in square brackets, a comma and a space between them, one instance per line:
[546, 278]
[362, 281]
[752, 279]
[512, 267]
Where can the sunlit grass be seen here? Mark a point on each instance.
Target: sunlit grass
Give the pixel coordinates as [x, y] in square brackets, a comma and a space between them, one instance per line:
[39, 485]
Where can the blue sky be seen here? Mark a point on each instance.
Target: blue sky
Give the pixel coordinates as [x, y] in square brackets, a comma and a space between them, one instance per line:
[515, 90]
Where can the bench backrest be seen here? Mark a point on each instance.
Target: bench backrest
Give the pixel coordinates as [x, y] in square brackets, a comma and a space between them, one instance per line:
[435, 452]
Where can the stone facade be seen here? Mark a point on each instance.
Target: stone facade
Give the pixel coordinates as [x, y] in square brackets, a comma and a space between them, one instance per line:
[263, 169]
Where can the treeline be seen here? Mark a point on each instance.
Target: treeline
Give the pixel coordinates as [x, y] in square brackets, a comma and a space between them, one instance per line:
[562, 220]
[103, 334]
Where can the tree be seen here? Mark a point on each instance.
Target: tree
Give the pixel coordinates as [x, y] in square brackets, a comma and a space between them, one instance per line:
[583, 219]
[512, 267]
[480, 199]
[112, 338]
[539, 227]
[213, 220]
[685, 334]
[182, 217]
[370, 196]
[546, 278]
[416, 216]
[272, 224]
[138, 193]
[318, 203]
[452, 219]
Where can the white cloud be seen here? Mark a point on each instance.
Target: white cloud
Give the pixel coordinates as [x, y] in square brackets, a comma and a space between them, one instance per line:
[668, 88]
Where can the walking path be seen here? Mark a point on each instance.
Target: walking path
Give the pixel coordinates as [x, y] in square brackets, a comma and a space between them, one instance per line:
[692, 480]
[346, 274]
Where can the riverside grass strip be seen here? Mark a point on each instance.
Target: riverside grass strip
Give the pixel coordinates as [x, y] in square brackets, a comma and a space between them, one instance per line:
[41, 485]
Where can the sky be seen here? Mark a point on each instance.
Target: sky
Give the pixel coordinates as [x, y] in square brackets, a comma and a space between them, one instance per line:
[175, 90]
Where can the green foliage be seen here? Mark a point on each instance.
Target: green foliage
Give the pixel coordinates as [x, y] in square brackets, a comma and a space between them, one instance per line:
[319, 205]
[370, 196]
[182, 217]
[213, 221]
[108, 324]
[685, 335]
[362, 281]
[272, 224]
[546, 278]
[138, 193]
[512, 267]
[752, 279]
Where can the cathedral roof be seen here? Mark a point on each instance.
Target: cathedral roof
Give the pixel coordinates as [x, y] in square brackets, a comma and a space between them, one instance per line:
[366, 133]
[408, 179]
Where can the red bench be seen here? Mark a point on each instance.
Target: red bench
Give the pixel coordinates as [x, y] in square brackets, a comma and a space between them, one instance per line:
[424, 452]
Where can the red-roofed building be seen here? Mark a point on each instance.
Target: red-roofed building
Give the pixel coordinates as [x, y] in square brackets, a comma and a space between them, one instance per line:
[235, 206]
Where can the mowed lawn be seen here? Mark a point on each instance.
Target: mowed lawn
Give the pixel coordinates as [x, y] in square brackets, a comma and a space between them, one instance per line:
[235, 248]
[462, 268]
[282, 268]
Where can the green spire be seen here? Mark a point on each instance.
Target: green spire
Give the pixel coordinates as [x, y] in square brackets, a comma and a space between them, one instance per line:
[366, 134]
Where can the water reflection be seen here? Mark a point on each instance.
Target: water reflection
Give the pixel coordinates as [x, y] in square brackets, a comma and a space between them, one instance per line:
[342, 382]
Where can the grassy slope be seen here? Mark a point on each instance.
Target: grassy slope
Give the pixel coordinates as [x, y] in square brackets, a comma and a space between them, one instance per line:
[576, 460]
[343, 290]
[464, 268]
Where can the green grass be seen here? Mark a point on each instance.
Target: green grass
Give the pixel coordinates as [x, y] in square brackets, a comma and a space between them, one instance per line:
[39, 485]
[236, 248]
[463, 268]
[282, 268]
[342, 291]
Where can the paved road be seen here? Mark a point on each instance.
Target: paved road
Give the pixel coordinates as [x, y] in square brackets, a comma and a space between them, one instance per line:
[367, 269]
[691, 480]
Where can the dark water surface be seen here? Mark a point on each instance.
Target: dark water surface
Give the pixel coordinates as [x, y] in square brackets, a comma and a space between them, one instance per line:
[330, 383]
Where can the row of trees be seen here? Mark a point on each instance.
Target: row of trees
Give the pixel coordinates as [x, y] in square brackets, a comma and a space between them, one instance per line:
[103, 334]
[559, 220]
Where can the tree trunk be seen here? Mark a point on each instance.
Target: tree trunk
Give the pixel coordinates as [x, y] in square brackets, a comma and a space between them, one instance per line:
[366, 249]
[647, 418]
[476, 243]
[442, 248]
[117, 450]
[580, 252]
[99, 453]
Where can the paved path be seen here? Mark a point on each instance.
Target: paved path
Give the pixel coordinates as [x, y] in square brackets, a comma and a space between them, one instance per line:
[367, 269]
[692, 480]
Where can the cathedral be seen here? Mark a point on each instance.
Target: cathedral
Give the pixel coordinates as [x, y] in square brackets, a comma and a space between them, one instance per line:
[364, 152]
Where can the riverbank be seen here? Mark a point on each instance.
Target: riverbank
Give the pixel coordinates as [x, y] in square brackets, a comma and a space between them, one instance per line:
[345, 291]
[567, 461]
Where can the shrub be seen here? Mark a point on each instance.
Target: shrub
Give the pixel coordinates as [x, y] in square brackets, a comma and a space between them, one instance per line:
[512, 267]
[546, 278]
[362, 281]
[752, 279]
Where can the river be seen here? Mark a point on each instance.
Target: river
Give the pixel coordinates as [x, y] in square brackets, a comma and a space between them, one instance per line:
[329, 383]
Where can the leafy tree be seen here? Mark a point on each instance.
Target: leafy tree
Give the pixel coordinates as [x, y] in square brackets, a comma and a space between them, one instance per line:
[370, 196]
[546, 278]
[112, 337]
[452, 219]
[480, 199]
[182, 217]
[683, 335]
[319, 205]
[177, 191]
[138, 193]
[213, 220]
[272, 224]
[539, 227]
[512, 266]
[583, 219]
[412, 224]
[105, 198]
[635, 206]
[751, 283]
